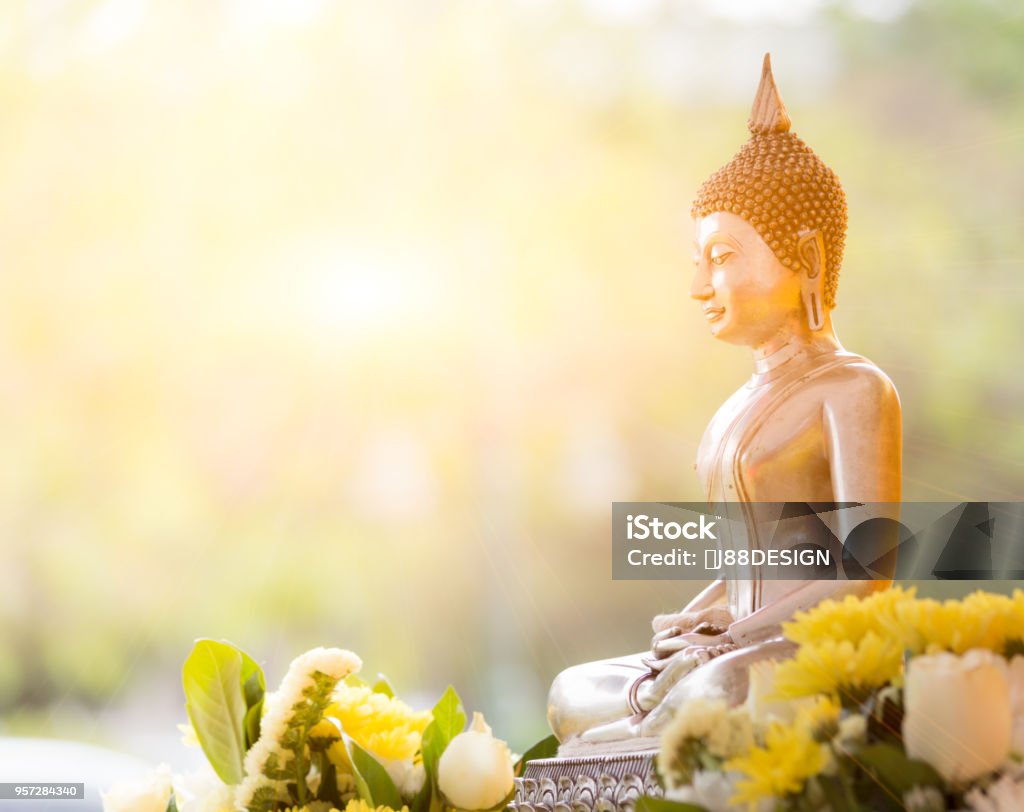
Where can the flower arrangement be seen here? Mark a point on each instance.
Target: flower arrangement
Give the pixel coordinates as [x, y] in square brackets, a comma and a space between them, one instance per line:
[891, 702]
[325, 740]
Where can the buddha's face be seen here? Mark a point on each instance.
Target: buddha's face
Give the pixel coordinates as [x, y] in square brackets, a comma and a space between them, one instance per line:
[748, 297]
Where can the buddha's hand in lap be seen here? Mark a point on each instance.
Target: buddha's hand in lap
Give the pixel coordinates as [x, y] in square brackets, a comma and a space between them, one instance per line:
[687, 621]
[676, 633]
[675, 668]
[701, 648]
[671, 670]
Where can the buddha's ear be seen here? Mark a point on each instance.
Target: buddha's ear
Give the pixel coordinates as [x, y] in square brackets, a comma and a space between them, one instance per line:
[810, 249]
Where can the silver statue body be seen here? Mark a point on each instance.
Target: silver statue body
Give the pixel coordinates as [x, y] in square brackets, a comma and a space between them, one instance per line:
[814, 423]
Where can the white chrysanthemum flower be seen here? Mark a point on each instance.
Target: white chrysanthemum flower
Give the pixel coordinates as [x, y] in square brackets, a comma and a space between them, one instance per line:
[723, 731]
[407, 777]
[697, 718]
[732, 738]
[924, 799]
[852, 730]
[188, 735]
[1004, 795]
[202, 791]
[148, 794]
[712, 790]
[335, 663]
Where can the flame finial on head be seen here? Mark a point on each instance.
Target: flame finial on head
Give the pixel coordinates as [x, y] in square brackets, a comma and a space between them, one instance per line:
[768, 115]
[780, 186]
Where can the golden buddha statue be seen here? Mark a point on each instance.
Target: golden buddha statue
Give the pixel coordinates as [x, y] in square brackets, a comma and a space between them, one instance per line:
[814, 423]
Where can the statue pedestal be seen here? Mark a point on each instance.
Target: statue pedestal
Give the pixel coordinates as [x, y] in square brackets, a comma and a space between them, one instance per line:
[603, 783]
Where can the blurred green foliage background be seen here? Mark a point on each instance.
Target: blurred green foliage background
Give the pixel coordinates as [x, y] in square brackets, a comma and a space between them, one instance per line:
[343, 323]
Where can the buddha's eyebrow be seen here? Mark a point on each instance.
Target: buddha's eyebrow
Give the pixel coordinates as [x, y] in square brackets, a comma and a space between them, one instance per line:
[718, 237]
[712, 237]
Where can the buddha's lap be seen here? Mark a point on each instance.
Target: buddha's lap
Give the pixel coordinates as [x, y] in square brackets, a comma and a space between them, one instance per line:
[590, 694]
[596, 693]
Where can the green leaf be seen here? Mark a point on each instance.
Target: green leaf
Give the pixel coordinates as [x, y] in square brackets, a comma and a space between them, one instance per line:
[835, 797]
[448, 722]
[172, 804]
[328, 789]
[253, 683]
[648, 803]
[215, 701]
[421, 803]
[254, 688]
[545, 748]
[891, 766]
[383, 686]
[253, 717]
[372, 781]
[355, 681]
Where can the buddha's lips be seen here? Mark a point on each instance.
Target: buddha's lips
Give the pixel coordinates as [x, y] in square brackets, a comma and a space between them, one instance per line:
[713, 313]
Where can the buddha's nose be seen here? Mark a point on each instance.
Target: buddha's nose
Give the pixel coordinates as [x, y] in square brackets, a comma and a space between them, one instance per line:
[702, 291]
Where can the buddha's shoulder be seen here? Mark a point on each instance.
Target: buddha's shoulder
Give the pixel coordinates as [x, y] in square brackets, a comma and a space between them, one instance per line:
[856, 379]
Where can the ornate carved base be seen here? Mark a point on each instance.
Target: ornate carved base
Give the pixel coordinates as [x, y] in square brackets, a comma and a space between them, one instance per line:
[607, 783]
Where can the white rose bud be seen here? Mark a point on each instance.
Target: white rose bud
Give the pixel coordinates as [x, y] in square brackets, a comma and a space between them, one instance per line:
[957, 713]
[1015, 674]
[149, 794]
[475, 770]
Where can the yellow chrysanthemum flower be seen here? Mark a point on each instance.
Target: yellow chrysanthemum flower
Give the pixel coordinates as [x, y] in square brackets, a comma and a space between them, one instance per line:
[820, 716]
[382, 725]
[781, 767]
[1015, 627]
[981, 620]
[849, 619]
[931, 624]
[316, 806]
[359, 805]
[840, 669]
[995, 620]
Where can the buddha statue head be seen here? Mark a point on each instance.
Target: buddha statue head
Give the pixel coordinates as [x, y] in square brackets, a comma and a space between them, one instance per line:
[770, 229]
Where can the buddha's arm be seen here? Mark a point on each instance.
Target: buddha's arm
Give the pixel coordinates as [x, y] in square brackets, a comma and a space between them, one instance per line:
[862, 427]
[863, 430]
[712, 595]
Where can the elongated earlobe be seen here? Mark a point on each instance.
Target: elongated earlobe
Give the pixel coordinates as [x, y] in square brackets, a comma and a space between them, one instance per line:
[811, 251]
